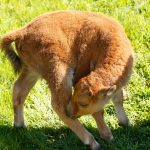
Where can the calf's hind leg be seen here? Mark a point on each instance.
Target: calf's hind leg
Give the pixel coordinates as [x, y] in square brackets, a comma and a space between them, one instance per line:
[22, 86]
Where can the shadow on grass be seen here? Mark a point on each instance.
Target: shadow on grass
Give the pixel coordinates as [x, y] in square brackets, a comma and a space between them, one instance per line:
[132, 138]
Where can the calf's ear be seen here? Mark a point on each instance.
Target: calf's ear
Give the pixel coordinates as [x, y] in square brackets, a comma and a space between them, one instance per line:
[107, 91]
[110, 91]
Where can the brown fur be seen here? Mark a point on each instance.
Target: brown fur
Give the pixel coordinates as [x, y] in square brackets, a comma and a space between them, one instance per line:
[71, 48]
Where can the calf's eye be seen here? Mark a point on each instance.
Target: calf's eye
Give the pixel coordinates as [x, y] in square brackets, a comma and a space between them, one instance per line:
[84, 105]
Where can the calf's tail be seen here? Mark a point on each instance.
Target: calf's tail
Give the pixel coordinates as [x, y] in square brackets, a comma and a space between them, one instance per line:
[6, 46]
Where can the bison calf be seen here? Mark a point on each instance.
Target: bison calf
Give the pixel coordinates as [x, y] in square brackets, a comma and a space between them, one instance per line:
[84, 50]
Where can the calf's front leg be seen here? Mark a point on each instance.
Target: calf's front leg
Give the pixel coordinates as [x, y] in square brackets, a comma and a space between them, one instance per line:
[120, 112]
[60, 85]
[104, 130]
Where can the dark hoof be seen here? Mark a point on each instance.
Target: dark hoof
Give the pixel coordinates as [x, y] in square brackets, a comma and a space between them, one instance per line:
[95, 147]
[108, 137]
[125, 125]
[98, 148]
[22, 126]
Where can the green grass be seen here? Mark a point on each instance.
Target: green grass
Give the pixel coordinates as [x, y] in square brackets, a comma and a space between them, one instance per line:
[45, 130]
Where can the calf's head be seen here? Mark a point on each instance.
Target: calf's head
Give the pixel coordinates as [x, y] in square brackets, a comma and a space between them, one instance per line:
[88, 100]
